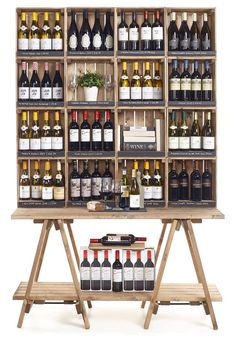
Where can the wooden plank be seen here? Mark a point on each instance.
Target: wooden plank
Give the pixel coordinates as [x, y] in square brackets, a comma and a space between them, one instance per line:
[135, 246]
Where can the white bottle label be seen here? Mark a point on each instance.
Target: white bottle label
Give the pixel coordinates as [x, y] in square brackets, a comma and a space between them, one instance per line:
[173, 142]
[85, 273]
[195, 142]
[46, 44]
[46, 93]
[175, 84]
[35, 93]
[207, 84]
[85, 41]
[97, 134]
[136, 93]
[133, 34]
[117, 275]
[157, 192]
[96, 186]
[47, 193]
[57, 44]
[108, 135]
[146, 33]
[74, 135]
[86, 187]
[23, 43]
[35, 144]
[196, 84]
[107, 184]
[185, 84]
[75, 187]
[57, 143]
[208, 142]
[128, 273]
[24, 192]
[57, 93]
[24, 144]
[138, 273]
[109, 42]
[149, 274]
[134, 201]
[184, 142]
[34, 44]
[36, 192]
[147, 93]
[97, 41]
[157, 33]
[123, 34]
[59, 193]
[124, 93]
[147, 192]
[85, 135]
[95, 273]
[46, 143]
[106, 273]
[23, 93]
[73, 41]
[157, 93]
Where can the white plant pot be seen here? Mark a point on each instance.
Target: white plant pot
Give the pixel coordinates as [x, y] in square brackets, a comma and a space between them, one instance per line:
[91, 93]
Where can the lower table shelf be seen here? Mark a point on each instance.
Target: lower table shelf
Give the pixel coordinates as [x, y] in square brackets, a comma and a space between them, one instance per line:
[66, 291]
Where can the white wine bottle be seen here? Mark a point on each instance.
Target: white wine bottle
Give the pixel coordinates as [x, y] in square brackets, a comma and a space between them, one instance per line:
[47, 183]
[35, 134]
[157, 84]
[46, 134]
[24, 134]
[147, 89]
[36, 183]
[23, 34]
[46, 34]
[134, 196]
[147, 182]
[195, 139]
[24, 192]
[157, 186]
[57, 34]
[59, 184]
[136, 85]
[124, 88]
[34, 33]
[57, 134]
[208, 134]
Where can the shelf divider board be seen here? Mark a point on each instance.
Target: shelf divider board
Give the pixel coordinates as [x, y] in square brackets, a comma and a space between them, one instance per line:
[134, 247]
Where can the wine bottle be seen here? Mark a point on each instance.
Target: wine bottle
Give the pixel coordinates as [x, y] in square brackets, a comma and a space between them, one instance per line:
[85, 183]
[35, 134]
[134, 33]
[57, 85]
[73, 34]
[35, 84]
[147, 88]
[206, 183]
[96, 182]
[23, 84]
[47, 183]
[96, 133]
[118, 239]
[108, 34]
[124, 87]
[184, 135]
[173, 179]
[194, 35]
[123, 34]
[157, 33]
[117, 273]
[138, 273]
[23, 34]
[24, 135]
[128, 273]
[46, 34]
[134, 196]
[195, 140]
[196, 83]
[157, 84]
[173, 33]
[146, 33]
[207, 83]
[183, 183]
[97, 33]
[124, 198]
[59, 184]
[157, 186]
[136, 85]
[34, 33]
[147, 182]
[149, 272]
[85, 272]
[95, 273]
[74, 182]
[36, 183]
[46, 85]
[85, 133]
[57, 34]
[108, 133]
[208, 135]
[107, 181]
[73, 133]
[205, 34]
[85, 33]
[106, 272]
[185, 83]
[184, 34]
[46, 134]
[24, 190]
[174, 82]
[173, 133]
[57, 134]
[196, 183]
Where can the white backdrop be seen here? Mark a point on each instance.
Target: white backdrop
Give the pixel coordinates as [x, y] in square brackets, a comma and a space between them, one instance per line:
[118, 326]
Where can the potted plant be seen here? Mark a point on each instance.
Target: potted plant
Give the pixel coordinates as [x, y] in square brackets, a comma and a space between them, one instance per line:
[91, 82]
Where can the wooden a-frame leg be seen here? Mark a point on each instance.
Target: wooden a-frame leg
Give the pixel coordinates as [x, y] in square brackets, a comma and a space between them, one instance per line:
[73, 273]
[160, 274]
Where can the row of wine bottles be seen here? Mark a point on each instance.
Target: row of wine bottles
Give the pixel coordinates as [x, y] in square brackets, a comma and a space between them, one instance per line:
[36, 38]
[184, 138]
[190, 87]
[196, 187]
[36, 89]
[119, 276]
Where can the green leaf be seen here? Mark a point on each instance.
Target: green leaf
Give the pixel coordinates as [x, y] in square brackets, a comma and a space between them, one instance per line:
[90, 79]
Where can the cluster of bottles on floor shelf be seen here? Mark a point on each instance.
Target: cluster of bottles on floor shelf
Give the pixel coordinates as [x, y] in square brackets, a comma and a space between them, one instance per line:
[40, 187]
[141, 87]
[95, 137]
[184, 138]
[148, 37]
[36, 38]
[90, 39]
[136, 272]
[36, 89]
[189, 39]
[196, 188]
[190, 87]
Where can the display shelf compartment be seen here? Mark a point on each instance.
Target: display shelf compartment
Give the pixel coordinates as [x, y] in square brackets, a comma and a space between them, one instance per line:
[192, 54]
[192, 153]
[134, 247]
[91, 154]
[41, 204]
[192, 204]
[90, 53]
[136, 53]
[192, 103]
[40, 104]
[141, 103]
[40, 154]
[40, 53]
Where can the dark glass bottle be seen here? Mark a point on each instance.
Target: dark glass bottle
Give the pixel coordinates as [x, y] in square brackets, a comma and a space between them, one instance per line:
[85, 133]
[46, 85]
[73, 34]
[96, 133]
[23, 84]
[128, 273]
[124, 198]
[108, 34]
[74, 182]
[123, 35]
[173, 33]
[196, 79]
[95, 273]
[85, 183]
[196, 183]
[146, 33]
[207, 83]
[134, 33]
[184, 34]
[174, 82]
[206, 183]
[194, 35]
[108, 133]
[107, 181]
[118, 240]
[157, 33]
[73, 133]
[149, 272]
[117, 273]
[173, 184]
[96, 182]
[185, 83]
[35, 84]
[205, 34]
[183, 183]
[85, 272]
[138, 273]
[106, 272]
[97, 33]
[85, 33]
[57, 85]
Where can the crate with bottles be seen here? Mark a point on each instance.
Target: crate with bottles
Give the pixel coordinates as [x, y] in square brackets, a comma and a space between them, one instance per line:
[41, 183]
[40, 32]
[192, 183]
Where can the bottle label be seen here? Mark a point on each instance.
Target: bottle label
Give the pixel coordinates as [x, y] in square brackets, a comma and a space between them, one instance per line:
[57, 93]
[123, 34]
[59, 193]
[46, 143]
[146, 33]
[173, 142]
[206, 43]
[75, 187]
[174, 84]
[24, 192]
[124, 93]
[85, 273]
[97, 134]
[46, 44]
[157, 93]
[157, 192]
[108, 135]
[207, 84]
[195, 44]
[36, 192]
[134, 201]
[128, 273]
[46, 93]
[206, 182]
[138, 273]
[147, 192]
[86, 187]
[96, 186]
[95, 273]
[149, 274]
[184, 142]
[35, 144]
[117, 275]
[23, 43]
[24, 144]
[208, 142]
[196, 84]
[47, 193]
[57, 143]
[136, 93]
[106, 184]
[195, 142]
[109, 42]
[74, 135]
[97, 41]
[106, 273]
[34, 44]
[23, 93]
[185, 84]
[73, 41]
[85, 135]
[85, 41]
[115, 238]
[57, 44]
[147, 93]
[35, 93]
[196, 184]
[134, 34]
[184, 43]
[174, 43]
[157, 33]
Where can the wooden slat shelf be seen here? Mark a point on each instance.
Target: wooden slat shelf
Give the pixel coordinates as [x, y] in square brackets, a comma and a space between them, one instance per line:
[134, 247]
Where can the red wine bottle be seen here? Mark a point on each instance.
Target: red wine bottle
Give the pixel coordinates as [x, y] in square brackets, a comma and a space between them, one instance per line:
[173, 183]
[138, 273]
[194, 35]
[73, 133]
[205, 34]
[207, 83]
[73, 34]
[174, 82]
[96, 133]
[128, 273]
[23, 85]
[185, 83]
[146, 33]
[85, 33]
[96, 182]
[108, 133]
[157, 33]
[106, 272]
[123, 35]
[118, 240]
[107, 181]
[74, 182]
[173, 33]
[97, 33]
[206, 183]
[85, 133]
[134, 33]
[95, 273]
[57, 85]
[35, 84]
[184, 34]
[196, 83]
[108, 34]
[46, 85]
[196, 183]
[149, 272]
[85, 183]
[117, 274]
[183, 183]
[85, 272]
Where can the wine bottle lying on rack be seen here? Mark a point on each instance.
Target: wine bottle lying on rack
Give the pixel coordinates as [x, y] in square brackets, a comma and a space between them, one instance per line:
[118, 240]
